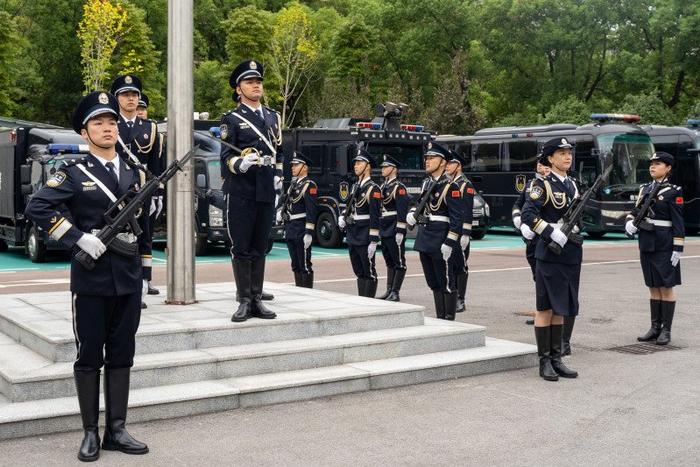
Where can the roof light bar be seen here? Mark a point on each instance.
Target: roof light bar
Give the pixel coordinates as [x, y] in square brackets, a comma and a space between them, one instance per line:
[627, 118]
[57, 148]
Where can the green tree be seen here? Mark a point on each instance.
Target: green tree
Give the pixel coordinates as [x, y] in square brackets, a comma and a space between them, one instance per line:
[650, 108]
[570, 110]
[11, 73]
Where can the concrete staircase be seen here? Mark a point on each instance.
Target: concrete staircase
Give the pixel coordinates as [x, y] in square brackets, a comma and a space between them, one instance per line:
[192, 359]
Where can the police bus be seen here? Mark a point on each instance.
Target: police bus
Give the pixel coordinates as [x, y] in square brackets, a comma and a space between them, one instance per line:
[683, 143]
[332, 144]
[501, 160]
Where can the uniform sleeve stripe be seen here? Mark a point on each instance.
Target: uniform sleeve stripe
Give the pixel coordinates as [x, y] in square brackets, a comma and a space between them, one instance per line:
[231, 163]
[540, 226]
[401, 225]
[452, 236]
[678, 241]
[374, 232]
[60, 229]
[55, 226]
[310, 225]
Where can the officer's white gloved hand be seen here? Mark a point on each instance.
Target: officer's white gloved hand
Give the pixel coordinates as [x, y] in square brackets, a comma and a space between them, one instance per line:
[559, 237]
[160, 206]
[248, 161]
[371, 249]
[341, 222]
[446, 251]
[91, 245]
[307, 241]
[630, 228]
[278, 183]
[464, 241]
[575, 229]
[278, 216]
[154, 205]
[675, 258]
[411, 219]
[144, 288]
[527, 232]
[517, 222]
[399, 238]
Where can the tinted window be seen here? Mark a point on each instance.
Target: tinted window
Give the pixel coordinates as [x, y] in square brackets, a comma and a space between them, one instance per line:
[315, 154]
[410, 156]
[485, 157]
[215, 180]
[522, 156]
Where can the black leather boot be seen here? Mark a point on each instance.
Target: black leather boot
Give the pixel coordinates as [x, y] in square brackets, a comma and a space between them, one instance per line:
[360, 287]
[152, 290]
[555, 353]
[667, 311]
[399, 276]
[241, 273]
[655, 329]
[461, 291]
[371, 287]
[257, 276]
[298, 280]
[87, 385]
[265, 296]
[307, 280]
[116, 437]
[439, 300]
[543, 336]
[390, 273]
[568, 329]
[450, 300]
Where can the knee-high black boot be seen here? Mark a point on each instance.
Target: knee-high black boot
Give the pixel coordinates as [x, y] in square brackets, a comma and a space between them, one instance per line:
[241, 273]
[360, 287]
[439, 299]
[390, 273]
[116, 437]
[298, 280]
[450, 301]
[257, 276]
[543, 335]
[87, 385]
[399, 276]
[555, 353]
[371, 287]
[655, 329]
[461, 291]
[667, 311]
[307, 280]
[568, 329]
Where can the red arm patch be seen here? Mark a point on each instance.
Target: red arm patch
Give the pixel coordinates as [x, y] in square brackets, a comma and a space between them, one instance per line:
[313, 191]
[456, 193]
[376, 195]
[470, 191]
[679, 200]
[402, 191]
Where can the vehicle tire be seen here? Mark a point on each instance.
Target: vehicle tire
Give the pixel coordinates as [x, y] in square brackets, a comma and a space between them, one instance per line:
[596, 235]
[3, 246]
[327, 233]
[478, 234]
[201, 247]
[36, 250]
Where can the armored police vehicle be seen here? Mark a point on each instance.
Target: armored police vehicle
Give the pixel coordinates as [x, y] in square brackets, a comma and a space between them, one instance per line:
[683, 143]
[332, 144]
[501, 160]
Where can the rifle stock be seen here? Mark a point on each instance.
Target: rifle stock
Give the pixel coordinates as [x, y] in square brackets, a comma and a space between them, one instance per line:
[645, 209]
[422, 201]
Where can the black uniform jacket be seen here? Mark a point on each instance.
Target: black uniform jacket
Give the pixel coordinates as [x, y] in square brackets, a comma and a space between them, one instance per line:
[547, 202]
[86, 204]
[301, 208]
[144, 142]
[666, 218]
[467, 192]
[257, 182]
[395, 201]
[366, 208]
[445, 217]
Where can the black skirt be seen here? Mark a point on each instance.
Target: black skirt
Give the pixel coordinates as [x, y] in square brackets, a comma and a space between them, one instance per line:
[556, 286]
[658, 271]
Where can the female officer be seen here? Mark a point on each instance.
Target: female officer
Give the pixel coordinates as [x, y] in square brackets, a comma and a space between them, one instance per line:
[556, 275]
[661, 238]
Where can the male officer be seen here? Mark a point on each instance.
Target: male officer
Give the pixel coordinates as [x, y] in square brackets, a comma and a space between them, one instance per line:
[140, 141]
[661, 238]
[142, 107]
[458, 261]
[299, 216]
[250, 180]
[541, 172]
[395, 200]
[363, 224]
[106, 300]
[441, 226]
[556, 275]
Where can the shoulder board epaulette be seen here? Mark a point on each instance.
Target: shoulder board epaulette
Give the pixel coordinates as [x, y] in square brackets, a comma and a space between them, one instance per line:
[70, 162]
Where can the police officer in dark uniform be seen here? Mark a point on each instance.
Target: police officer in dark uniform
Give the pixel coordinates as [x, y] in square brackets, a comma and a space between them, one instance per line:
[363, 224]
[106, 300]
[556, 276]
[299, 216]
[395, 201]
[458, 261]
[660, 246]
[138, 140]
[529, 237]
[251, 179]
[438, 236]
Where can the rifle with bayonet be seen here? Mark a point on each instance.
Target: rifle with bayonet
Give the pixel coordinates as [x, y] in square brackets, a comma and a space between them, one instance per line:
[573, 215]
[420, 216]
[349, 220]
[124, 211]
[283, 200]
[645, 210]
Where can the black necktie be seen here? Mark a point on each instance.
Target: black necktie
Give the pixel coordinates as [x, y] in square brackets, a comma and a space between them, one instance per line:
[130, 124]
[112, 171]
[259, 113]
[569, 185]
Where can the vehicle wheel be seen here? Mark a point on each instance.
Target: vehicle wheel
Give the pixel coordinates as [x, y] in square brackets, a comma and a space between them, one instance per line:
[596, 234]
[200, 244]
[688, 231]
[327, 233]
[36, 250]
[3, 246]
[478, 234]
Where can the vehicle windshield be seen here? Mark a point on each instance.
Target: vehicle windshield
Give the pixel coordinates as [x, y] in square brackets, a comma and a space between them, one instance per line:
[214, 169]
[409, 155]
[629, 154]
[52, 165]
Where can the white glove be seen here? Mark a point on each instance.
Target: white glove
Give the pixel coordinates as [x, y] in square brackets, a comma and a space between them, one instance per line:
[278, 216]
[575, 229]
[559, 237]
[675, 258]
[341, 222]
[527, 232]
[160, 206]
[91, 245]
[411, 219]
[446, 251]
[371, 249]
[307, 241]
[248, 161]
[399, 238]
[154, 205]
[517, 222]
[144, 288]
[630, 228]
[278, 183]
[464, 242]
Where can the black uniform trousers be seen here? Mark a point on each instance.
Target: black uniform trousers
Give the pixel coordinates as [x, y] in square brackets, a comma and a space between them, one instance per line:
[362, 266]
[105, 329]
[249, 224]
[436, 272]
[530, 246]
[458, 264]
[394, 254]
[301, 258]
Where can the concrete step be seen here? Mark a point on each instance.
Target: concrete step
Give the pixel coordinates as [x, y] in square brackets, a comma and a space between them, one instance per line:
[51, 415]
[43, 322]
[25, 375]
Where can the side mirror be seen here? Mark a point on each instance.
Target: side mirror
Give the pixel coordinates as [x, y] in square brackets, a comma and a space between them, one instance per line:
[26, 190]
[201, 181]
[25, 176]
